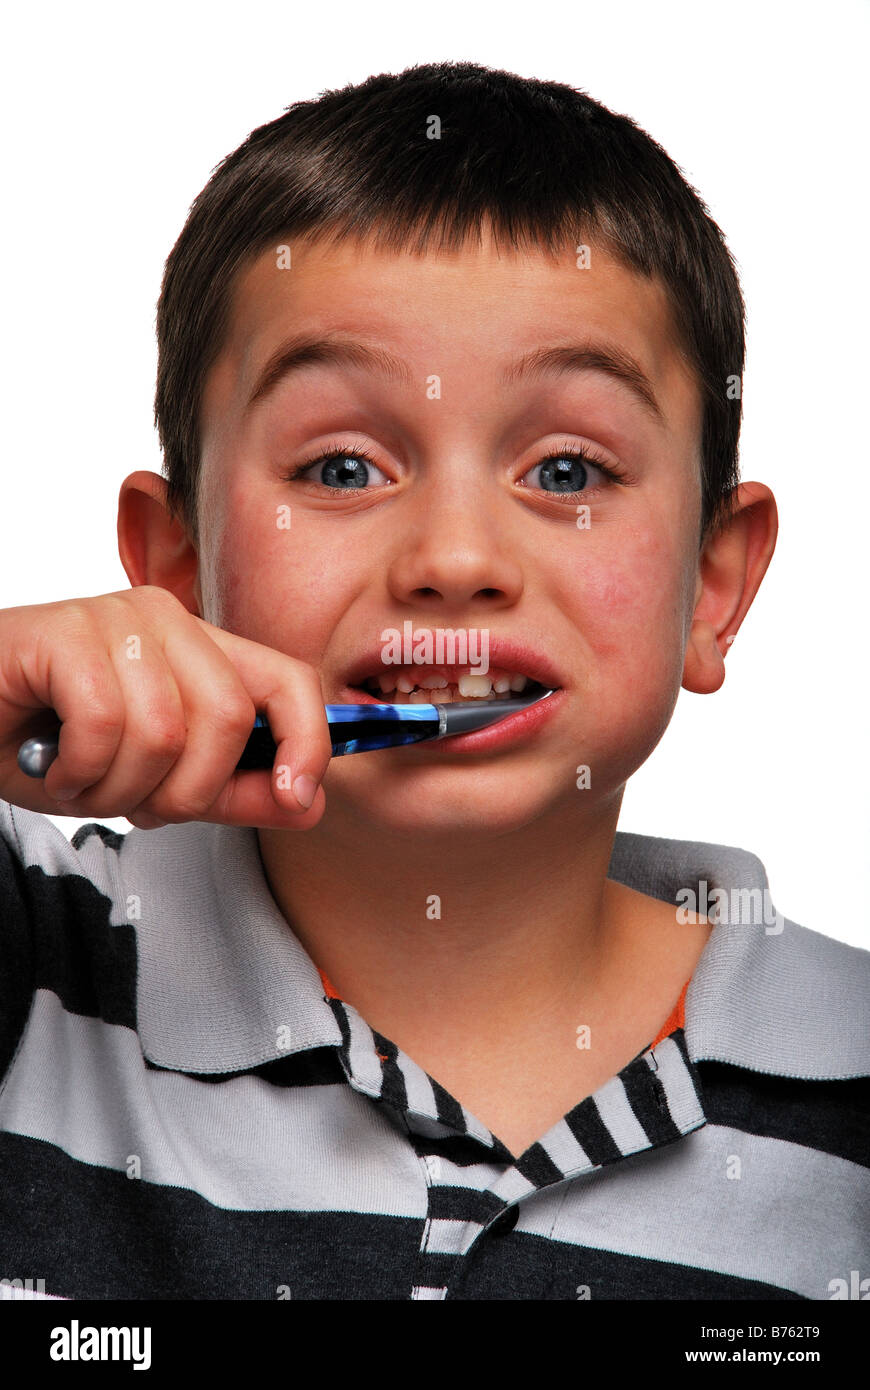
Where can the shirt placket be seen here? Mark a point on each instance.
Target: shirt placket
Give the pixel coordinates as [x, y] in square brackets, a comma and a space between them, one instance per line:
[475, 1186]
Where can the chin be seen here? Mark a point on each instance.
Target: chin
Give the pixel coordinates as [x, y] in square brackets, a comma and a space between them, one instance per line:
[490, 801]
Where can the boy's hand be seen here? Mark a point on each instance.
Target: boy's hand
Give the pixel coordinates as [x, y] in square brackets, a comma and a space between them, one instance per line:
[153, 729]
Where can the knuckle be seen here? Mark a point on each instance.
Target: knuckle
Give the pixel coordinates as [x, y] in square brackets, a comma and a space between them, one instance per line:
[163, 735]
[191, 805]
[234, 711]
[153, 596]
[100, 737]
[95, 688]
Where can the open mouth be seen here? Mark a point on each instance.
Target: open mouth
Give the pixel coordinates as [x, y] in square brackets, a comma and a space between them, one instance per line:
[444, 687]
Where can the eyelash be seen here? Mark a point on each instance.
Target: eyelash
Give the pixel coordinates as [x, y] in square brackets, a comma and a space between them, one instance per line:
[585, 454]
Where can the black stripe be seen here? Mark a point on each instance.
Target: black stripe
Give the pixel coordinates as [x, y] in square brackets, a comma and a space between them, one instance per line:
[679, 1037]
[393, 1089]
[110, 838]
[435, 1270]
[832, 1116]
[537, 1166]
[523, 1266]
[78, 955]
[590, 1131]
[17, 957]
[343, 1048]
[461, 1149]
[646, 1096]
[450, 1203]
[319, 1066]
[449, 1110]
[92, 1232]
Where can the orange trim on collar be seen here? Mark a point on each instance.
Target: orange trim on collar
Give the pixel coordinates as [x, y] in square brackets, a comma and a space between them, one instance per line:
[331, 991]
[676, 1018]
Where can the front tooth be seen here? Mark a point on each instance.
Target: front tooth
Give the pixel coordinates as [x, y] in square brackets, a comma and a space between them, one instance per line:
[405, 684]
[502, 685]
[478, 687]
[518, 683]
[418, 697]
[433, 682]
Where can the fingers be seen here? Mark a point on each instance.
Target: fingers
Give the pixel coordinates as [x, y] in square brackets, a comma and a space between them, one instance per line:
[157, 706]
[121, 728]
[289, 694]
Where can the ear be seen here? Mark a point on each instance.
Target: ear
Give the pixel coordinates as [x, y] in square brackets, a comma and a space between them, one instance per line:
[730, 570]
[153, 545]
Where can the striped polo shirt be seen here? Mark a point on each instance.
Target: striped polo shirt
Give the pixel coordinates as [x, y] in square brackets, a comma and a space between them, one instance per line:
[188, 1110]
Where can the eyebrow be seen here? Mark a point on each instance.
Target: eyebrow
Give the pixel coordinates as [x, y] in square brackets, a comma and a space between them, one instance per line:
[303, 351]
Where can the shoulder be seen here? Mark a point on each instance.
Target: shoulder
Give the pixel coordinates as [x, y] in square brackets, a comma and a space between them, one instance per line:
[768, 993]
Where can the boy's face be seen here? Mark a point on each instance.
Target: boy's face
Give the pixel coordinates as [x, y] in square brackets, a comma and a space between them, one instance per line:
[456, 526]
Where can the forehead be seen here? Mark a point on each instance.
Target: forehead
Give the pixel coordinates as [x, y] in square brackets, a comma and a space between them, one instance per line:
[477, 309]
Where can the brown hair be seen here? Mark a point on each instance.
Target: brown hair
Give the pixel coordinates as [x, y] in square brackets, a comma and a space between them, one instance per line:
[540, 162]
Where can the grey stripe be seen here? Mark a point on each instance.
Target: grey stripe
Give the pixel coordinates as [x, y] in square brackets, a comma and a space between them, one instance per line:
[511, 1186]
[796, 1218]
[252, 975]
[682, 1098]
[363, 1060]
[760, 977]
[422, 1103]
[445, 1237]
[242, 1143]
[560, 1145]
[477, 1129]
[208, 917]
[476, 1177]
[614, 1107]
[430, 1129]
[418, 1088]
[740, 1004]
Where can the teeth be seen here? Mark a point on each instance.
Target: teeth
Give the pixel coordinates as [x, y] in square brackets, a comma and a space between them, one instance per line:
[433, 688]
[478, 687]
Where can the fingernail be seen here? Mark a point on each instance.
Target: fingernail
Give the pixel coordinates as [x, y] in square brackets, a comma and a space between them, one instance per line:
[305, 790]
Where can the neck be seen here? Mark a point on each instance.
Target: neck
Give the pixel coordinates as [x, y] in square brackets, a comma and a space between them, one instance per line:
[419, 931]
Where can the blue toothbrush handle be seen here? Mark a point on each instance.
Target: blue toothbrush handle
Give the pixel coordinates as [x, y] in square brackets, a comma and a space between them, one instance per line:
[352, 729]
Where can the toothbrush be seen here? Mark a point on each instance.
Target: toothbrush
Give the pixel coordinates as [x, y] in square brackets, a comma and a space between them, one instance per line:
[352, 729]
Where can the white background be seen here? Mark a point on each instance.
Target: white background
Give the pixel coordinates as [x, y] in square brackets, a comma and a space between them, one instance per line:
[113, 120]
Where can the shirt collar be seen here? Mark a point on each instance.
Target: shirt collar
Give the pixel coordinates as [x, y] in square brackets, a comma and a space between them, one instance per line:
[224, 984]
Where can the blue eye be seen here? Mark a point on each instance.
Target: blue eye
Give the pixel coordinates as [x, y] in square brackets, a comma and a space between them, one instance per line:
[567, 471]
[343, 470]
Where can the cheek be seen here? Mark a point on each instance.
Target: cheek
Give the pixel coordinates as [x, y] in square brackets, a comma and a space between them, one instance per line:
[272, 584]
[627, 604]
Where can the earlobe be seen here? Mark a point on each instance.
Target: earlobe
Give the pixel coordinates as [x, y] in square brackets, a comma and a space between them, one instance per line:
[704, 667]
[153, 545]
[732, 566]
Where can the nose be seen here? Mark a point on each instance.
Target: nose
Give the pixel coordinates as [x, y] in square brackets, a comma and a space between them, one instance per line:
[455, 552]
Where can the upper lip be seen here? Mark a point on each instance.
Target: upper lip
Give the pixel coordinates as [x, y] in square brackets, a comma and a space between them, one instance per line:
[505, 653]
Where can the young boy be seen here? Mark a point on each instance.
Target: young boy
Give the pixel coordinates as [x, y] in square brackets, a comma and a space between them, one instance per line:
[449, 351]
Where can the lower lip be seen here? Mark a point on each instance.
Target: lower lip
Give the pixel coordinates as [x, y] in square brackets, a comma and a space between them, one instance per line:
[514, 727]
